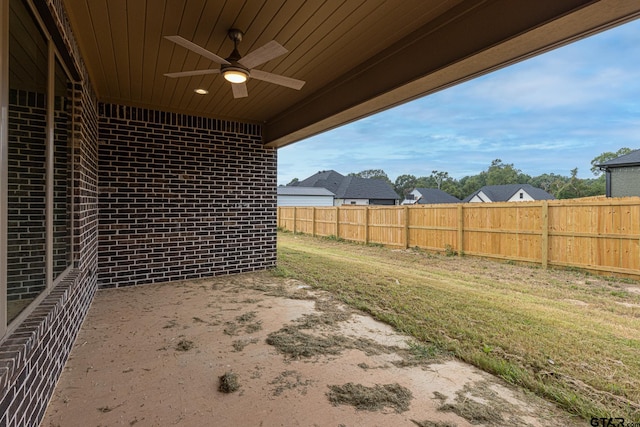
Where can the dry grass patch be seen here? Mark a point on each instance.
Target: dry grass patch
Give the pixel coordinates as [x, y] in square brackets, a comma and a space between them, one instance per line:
[229, 382]
[428, 423]
[295, 344]
[290, 380]
[373, 398]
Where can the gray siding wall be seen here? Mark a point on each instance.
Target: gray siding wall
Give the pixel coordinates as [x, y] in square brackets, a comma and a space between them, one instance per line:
[284, 200]
[625, 182]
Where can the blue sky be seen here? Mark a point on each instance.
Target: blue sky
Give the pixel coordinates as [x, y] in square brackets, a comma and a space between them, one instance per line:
[548, 114]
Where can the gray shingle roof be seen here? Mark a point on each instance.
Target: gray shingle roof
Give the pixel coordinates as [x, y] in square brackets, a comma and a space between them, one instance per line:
[502, 193]
[330, 180]
[630, 159]
[350, 187]
[365, 188]
[434, 195]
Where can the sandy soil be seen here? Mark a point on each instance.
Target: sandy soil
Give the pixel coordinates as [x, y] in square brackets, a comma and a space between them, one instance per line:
[154, 355]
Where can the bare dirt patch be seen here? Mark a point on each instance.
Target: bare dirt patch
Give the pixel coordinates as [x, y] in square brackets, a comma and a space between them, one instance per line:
[254, 350]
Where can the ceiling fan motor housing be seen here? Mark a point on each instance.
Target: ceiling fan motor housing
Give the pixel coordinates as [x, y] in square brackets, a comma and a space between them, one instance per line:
[234, 66]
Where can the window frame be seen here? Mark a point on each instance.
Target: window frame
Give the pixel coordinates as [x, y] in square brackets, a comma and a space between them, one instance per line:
[53, 57]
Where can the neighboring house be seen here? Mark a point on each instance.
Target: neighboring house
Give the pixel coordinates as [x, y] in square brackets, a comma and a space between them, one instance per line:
[429, 196]
[304, 196]
[623, 175]
[351, 190]
[508, 193]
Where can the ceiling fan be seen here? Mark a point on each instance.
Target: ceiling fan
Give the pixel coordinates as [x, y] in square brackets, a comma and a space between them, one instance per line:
[237, 69]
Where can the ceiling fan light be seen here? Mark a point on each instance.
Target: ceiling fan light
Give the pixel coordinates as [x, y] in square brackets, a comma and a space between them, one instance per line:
[235, 76]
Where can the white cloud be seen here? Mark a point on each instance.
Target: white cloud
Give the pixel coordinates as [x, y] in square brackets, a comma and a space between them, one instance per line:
[545, 115]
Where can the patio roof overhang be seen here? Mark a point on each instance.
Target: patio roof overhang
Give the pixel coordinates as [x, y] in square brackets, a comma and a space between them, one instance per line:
[357, 57]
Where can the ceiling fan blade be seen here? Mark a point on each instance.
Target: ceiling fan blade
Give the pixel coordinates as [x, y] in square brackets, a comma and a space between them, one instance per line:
[239, 90]
[197, 49]
[277, 79]
[192, 73]
[269, 51]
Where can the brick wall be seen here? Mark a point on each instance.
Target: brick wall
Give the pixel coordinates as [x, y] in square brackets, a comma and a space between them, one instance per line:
[624, 181]
[182, 197]
[26, 190]
[33, 355]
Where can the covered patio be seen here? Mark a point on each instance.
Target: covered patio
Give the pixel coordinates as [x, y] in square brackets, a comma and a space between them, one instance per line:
[160, 354]
[116, 173]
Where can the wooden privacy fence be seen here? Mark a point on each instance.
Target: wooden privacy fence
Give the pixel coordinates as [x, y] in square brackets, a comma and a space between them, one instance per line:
[594, 234]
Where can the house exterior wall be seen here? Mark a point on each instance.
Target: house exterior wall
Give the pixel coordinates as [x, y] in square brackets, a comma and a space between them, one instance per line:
[182, 197]
[383, 202]
[625, 181]
[525, 197]
[33, 355]
[212, 210]
[480, 198]
[285, 200]
[340, 202]
[416, 195]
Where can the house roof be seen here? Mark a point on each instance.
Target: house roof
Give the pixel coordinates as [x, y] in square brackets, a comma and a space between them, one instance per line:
[435, 195]
[631, 159]
[303, 191]
[502, 193]
[357, 58]
[330, 180]
[350, 187]
[353, 187]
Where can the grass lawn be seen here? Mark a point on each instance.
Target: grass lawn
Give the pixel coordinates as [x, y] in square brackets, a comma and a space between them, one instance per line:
[571, 337]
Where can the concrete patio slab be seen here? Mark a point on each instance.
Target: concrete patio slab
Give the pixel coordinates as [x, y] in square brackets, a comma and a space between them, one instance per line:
[153, 356]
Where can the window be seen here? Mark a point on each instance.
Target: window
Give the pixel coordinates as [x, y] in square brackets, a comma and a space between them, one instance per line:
[36, 91]
[62, 254]
[521, 195]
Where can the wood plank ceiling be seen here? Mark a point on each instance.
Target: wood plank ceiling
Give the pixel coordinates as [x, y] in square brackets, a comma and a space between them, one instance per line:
[344, 50]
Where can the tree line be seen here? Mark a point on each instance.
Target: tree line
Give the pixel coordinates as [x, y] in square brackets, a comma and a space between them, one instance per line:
[498, 173]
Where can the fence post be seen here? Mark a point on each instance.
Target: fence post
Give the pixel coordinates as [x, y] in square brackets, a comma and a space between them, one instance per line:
[366, 225]
[313, 221]
[294, 219]
[460, 230]
[337, 222]
[406, 227]
[545, 234]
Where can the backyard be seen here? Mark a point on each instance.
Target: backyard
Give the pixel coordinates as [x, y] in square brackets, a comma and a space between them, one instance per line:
[571, 337]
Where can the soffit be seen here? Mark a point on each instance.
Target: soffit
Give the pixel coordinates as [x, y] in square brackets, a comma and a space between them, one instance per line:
[357, 56]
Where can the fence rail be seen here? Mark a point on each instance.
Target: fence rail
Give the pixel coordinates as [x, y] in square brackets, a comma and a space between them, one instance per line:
[600, 235]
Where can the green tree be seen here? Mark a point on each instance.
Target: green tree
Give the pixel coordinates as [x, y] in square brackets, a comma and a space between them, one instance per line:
[404, 184]
[549, 182]
[471, 184]
[500, 173]
[574, 187]
[439, 177]
[294, 181]
[606, 156]
[373, 174]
